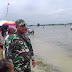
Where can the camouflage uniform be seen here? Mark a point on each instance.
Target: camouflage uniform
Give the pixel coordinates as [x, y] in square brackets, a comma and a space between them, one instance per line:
[19, 52]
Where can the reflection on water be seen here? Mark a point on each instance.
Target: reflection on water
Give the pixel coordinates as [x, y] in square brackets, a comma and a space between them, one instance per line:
[53, 44]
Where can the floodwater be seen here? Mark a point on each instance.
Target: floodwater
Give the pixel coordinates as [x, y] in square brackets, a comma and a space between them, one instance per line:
[54, 45]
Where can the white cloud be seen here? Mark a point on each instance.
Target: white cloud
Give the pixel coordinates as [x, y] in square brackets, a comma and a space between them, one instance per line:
[34, 11]
[59, 11]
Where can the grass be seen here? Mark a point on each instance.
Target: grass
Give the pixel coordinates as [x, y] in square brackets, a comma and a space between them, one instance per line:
[40, 63]
[46, 67]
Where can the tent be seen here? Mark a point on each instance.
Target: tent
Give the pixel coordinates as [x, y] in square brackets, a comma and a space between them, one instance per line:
[2, 22]
[10, 24]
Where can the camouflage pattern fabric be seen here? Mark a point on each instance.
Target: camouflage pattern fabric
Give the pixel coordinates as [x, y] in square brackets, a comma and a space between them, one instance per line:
[19, 53]
[20, 22]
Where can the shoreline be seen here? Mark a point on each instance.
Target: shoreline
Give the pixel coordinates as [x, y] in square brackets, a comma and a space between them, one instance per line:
[41, 66]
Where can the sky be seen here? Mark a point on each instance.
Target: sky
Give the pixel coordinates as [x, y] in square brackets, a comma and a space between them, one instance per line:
[37, 11]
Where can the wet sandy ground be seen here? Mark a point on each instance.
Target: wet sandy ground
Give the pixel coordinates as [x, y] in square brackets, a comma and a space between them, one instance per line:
[52, 54]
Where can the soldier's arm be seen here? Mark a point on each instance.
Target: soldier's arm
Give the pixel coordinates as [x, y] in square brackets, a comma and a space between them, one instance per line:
[32, 53]
[30, 48]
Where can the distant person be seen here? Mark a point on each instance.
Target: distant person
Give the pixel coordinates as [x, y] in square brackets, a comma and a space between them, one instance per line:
[32, 31]
[4, 30]
[43, 26]
[71, 27]
[10, 32]
[20, 49]
[4, 34]
[26, 31]
[6, 66]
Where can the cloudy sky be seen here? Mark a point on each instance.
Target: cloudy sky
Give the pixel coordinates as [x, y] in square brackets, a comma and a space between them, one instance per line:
[37, 11]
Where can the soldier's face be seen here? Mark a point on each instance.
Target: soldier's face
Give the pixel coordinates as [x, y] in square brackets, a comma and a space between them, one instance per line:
[21, 29]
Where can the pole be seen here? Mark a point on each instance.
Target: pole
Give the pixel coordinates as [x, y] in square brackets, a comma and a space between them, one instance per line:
[7, 12]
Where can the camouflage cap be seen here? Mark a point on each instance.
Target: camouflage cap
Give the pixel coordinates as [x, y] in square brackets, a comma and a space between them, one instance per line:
[20, 22]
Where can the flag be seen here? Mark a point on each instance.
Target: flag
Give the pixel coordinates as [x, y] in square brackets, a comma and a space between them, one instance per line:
[8, 4]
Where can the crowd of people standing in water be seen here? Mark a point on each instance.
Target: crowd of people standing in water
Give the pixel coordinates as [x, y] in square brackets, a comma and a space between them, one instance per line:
[17, 48]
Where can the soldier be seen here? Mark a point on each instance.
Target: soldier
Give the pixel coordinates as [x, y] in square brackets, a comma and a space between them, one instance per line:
[19, 49]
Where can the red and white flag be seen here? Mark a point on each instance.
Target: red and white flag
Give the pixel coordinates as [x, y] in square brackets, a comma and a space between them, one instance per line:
[8, 4]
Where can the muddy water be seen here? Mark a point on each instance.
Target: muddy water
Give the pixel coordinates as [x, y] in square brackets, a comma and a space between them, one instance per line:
[53, 44]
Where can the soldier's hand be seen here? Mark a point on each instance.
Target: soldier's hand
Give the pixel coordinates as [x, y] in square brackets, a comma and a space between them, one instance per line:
[33, 63]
